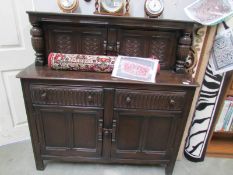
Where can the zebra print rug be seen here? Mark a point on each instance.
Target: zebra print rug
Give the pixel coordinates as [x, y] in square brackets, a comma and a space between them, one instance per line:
[197, 140]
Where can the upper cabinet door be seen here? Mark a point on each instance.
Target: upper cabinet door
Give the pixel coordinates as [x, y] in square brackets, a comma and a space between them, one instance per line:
[148, 44]
[92, 41]
[76, 40]
[132, 43]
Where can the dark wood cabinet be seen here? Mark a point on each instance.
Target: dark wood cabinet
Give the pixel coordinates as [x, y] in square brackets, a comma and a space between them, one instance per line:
[77, 130]
[93, 117]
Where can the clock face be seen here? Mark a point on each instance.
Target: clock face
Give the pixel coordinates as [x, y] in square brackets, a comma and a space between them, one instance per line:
[154, 7]
[112, 6]
[67, 3]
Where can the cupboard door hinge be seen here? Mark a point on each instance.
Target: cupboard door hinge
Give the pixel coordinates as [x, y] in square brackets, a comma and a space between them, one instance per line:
[107, 131]
[112, 132]
[105, 47]
[100, 128]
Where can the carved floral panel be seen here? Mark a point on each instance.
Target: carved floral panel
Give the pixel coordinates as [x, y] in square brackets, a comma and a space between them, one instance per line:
[132, 47]
[63, 43]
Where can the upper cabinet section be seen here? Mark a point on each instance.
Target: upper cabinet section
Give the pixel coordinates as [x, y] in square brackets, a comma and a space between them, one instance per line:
[109, 35]
[75, 40]
[139, 43]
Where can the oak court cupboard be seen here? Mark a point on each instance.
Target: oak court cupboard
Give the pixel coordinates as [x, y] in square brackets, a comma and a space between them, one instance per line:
[92, 117]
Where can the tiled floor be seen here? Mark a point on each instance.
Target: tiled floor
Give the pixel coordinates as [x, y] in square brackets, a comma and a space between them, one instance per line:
[17, 159]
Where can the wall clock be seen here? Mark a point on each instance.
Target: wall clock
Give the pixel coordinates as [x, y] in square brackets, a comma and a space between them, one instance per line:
[154, 8]
[68, 6]
[112, 7]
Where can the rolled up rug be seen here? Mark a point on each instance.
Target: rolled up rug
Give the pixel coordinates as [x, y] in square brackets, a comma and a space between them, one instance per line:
[80, 62]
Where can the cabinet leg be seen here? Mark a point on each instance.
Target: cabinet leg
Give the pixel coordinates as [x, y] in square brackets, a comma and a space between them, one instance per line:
[40, 164]
[169, 169]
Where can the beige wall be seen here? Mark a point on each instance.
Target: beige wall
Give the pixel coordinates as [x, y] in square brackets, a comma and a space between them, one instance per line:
[174, 9]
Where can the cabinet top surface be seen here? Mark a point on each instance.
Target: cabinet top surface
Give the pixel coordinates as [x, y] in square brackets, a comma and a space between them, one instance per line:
[165, 77]
[38, 13]
[35, 17]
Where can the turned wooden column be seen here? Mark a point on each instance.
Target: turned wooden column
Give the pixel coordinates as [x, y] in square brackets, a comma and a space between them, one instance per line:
[38, 44]
[183, 52]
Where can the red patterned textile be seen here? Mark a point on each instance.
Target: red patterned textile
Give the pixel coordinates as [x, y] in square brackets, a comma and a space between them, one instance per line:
[90, 63]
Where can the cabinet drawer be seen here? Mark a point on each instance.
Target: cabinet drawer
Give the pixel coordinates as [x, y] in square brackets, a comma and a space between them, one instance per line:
[153, 100]
[66, 96]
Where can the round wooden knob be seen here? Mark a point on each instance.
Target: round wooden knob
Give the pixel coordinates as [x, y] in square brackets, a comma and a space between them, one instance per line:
[43, 96]
[106, 132]
[90, 98]
[128, 100]
[110, 48]
[172, 102]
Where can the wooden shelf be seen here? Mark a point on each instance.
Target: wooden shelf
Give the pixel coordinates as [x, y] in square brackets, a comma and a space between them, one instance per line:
[223, 135]
[220, 148]
[221, 143]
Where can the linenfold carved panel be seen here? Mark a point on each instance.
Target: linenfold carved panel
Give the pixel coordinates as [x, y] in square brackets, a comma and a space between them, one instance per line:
[156, 100]
[66, 96]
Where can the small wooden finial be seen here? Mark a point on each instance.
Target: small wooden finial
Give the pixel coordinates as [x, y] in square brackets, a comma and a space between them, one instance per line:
[96, 7]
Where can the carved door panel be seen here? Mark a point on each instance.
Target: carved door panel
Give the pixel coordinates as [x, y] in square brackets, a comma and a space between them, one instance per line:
[131, 43]
[163, 46]
[143, 135]
[70, 132]
[87, 132]
[147, 44]
[53, 129]
[92, 41]
[75, 40]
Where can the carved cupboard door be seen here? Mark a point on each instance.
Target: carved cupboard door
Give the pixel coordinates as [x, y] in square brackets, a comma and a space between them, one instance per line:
[148, 44]
[143, 135]
[93, 41]
[73, 40]
[15, 54]
[65, 132]
[132, 43]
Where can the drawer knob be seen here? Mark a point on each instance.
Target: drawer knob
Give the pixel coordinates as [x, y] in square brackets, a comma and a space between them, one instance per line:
[110, 48]
[89, 98]
[43, 96]
[128, 100]
[118, 47]
[172, 102]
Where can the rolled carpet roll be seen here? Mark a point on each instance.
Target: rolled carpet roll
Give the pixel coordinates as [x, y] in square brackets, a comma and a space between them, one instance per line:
[80, 62]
